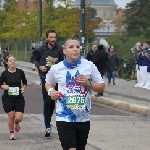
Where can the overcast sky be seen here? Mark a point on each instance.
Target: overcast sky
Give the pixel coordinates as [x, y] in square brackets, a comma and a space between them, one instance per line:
[122, 3]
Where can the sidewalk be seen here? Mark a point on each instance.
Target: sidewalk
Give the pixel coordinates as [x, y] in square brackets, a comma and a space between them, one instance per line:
[123, 95]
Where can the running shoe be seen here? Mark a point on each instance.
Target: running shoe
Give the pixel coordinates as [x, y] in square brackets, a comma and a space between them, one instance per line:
[17, 126]
[12, 136]
[48, 132]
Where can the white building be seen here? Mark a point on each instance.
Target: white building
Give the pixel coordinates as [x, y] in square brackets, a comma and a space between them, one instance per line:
[106, 10]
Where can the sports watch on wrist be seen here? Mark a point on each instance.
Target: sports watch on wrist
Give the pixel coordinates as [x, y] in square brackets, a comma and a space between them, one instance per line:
[90, 84]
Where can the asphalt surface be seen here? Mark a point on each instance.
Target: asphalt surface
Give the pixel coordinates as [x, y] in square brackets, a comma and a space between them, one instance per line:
[111, 128]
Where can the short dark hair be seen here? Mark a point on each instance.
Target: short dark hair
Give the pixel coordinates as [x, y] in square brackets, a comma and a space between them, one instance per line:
[70, 38]
[100, 47]
[147, 42]
[50, 31]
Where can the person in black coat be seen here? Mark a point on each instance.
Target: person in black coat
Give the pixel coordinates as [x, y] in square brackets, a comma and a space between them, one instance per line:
[101, 62]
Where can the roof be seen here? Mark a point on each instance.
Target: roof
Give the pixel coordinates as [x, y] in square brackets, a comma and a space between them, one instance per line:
[97, 2]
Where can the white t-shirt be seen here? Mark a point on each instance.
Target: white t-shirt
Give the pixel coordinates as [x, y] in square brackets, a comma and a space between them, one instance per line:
[74, 103]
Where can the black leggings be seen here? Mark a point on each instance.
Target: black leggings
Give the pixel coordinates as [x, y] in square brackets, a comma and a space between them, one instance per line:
[49, 105]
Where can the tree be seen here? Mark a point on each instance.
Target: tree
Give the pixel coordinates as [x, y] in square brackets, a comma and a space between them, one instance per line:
[11, 15]
[48, 16]
[66, 19]
[119, 23]
[137, 17]
[91, 21]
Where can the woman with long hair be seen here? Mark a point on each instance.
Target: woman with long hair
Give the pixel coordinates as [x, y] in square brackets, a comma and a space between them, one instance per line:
[113, 63]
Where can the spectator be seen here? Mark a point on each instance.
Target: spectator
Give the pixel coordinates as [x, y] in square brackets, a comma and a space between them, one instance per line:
[101, 62]
[113, 64]
[91, 55]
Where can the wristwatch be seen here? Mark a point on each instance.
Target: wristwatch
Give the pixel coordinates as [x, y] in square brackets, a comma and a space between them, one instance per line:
[90, 84]
[49, 91]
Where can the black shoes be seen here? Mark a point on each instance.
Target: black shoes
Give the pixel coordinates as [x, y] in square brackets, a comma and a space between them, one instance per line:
[47, 134]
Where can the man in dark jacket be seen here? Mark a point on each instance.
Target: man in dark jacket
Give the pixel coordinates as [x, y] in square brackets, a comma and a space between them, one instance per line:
[92, 54]
[45, 57]
[101, 62]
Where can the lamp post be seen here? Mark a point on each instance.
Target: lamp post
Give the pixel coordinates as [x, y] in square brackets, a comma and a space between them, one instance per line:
[82, 27]
[108, 26]
[40, 22]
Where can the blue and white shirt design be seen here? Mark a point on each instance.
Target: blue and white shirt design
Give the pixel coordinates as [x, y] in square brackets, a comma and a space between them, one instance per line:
[74, 103]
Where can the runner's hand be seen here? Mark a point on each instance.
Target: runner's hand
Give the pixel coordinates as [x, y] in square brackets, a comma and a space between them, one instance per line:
[5, 87]
[83, 79]
[51, 59]
[43, 68]
[22, 90]
[54, 95]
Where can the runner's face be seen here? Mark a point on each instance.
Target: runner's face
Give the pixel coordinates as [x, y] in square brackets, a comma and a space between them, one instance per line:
[51, 39]
[11, 62]
[72, 50]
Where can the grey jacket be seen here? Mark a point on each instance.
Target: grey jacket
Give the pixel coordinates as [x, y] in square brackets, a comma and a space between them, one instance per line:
[113, 62]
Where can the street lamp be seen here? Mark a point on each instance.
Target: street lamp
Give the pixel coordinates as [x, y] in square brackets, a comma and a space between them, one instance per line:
[40, 22]
[108, 28]
[82, 27]
[108, 25]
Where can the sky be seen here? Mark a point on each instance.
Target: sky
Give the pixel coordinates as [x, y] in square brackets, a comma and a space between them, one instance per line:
[122, 3]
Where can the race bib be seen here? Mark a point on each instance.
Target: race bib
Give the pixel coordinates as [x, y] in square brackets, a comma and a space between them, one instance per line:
[75, 101]
[48, 63]
[13, 91]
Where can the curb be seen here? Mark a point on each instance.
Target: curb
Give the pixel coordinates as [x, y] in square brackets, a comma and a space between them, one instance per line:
[144, 110]
[37, 83]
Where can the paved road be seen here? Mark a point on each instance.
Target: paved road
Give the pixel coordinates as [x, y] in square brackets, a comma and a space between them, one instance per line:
[111, 128]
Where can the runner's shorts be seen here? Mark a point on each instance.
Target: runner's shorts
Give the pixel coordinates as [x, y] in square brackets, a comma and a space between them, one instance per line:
[73, 134]
[13, 103]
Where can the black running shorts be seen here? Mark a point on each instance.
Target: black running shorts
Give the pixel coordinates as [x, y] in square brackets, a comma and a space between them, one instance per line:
[73, 134]
[13, 103]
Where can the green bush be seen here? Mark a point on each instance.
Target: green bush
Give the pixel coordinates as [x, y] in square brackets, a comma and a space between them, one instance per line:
[20, 55]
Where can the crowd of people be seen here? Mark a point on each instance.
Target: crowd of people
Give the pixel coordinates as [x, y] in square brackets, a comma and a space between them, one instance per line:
[106, 60]
[142, 55]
